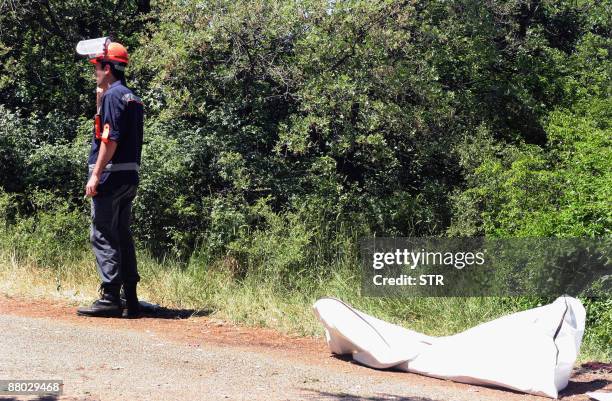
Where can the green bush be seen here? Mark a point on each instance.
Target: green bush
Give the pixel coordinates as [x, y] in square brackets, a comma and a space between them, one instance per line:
[52, 235]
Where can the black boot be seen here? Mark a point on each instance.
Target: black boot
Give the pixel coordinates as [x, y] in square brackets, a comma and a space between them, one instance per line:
[132, 305]
[109, 304]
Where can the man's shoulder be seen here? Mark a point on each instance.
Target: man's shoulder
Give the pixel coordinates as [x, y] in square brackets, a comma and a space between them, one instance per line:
[113, 94]
[121, 93]
[117, 90]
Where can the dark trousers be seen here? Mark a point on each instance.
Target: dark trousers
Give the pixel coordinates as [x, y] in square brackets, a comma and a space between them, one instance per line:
[111, 237]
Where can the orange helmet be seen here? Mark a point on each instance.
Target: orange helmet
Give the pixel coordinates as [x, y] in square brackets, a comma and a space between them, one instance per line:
[114, 53]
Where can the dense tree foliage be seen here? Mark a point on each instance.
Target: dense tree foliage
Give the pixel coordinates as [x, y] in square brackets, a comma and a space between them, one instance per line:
[373, 113]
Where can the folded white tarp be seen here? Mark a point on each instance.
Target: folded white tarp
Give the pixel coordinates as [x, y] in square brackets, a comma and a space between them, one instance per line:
[531, 351]
[600, 396]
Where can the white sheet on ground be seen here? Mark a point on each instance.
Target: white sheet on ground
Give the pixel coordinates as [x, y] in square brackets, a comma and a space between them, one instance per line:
[600, 396]
[532, 351]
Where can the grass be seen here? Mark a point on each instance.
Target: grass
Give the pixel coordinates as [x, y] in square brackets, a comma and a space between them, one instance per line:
[254, 300]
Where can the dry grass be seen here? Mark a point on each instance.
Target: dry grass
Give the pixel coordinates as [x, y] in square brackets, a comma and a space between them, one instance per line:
[251, 302]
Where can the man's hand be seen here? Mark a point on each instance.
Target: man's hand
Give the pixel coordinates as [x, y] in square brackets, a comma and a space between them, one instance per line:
[107, 150]
[92, 185]
[99, 93]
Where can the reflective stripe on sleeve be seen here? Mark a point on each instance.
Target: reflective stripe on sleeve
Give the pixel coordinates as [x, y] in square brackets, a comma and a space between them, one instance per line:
[106, 132]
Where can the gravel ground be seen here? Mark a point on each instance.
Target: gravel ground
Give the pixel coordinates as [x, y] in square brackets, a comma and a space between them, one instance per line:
[122, 365]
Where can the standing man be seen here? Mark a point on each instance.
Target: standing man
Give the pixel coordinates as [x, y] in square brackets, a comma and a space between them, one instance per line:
[114, 161]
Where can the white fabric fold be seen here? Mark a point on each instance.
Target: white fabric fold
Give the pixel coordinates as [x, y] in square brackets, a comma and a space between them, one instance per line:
[532, 351]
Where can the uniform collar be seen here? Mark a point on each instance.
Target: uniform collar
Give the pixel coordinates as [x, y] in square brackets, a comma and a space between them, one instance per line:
[117, 82]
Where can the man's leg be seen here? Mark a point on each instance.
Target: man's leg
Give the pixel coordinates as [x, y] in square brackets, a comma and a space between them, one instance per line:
[105, 242]
[129, 267]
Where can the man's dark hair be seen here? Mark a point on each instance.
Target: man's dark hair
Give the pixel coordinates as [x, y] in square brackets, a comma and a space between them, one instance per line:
[118, 74]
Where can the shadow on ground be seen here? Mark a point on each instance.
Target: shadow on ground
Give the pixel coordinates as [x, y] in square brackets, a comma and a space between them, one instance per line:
[315, 395]
[160, 312]
[580, 387]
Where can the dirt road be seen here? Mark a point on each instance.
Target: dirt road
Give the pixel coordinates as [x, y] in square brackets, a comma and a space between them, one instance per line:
[180, 357]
